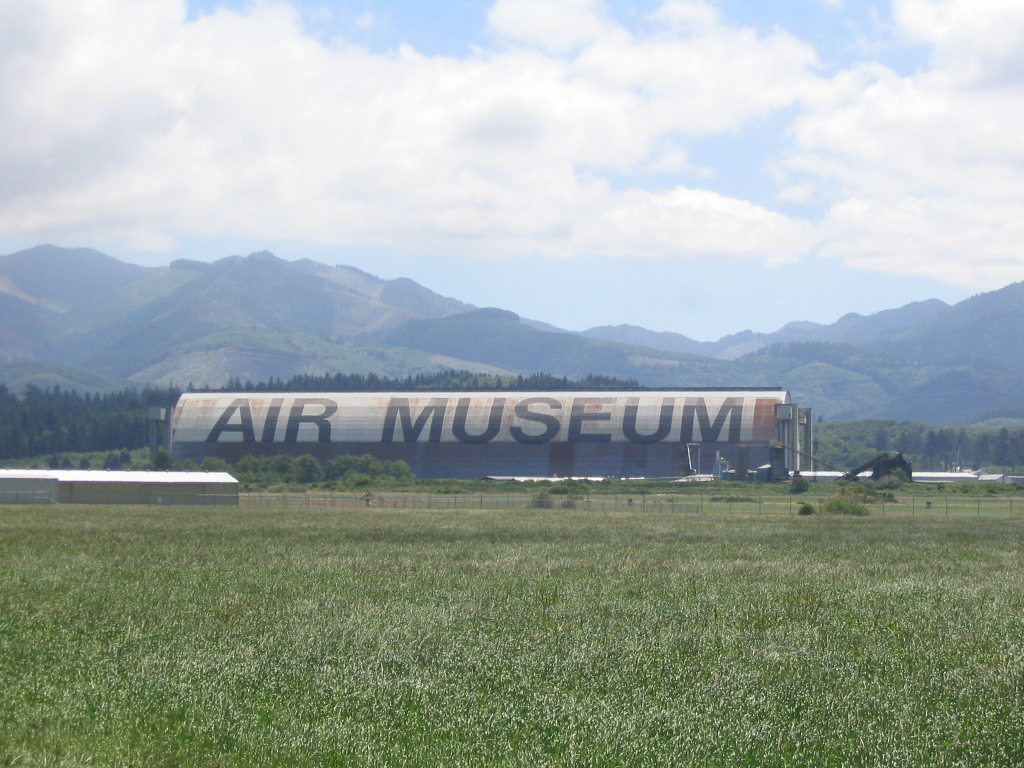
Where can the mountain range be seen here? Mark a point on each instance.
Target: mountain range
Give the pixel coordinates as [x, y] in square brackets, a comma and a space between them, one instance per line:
[80, 318]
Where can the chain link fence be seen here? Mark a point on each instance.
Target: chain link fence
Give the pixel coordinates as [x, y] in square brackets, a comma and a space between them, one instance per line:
[774, 504]
[27, 497]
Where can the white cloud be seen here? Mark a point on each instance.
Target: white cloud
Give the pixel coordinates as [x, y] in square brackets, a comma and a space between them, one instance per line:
[123, 118]
[975, 40]
[949, 239]
[696, 222]
[555, 25]
[574, 136]
[925, 173]
[693, 16]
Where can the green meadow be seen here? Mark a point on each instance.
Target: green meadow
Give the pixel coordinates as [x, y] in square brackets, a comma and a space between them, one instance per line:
[271, 636]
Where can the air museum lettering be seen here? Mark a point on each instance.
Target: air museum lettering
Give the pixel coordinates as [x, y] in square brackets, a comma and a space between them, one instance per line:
[475, 420]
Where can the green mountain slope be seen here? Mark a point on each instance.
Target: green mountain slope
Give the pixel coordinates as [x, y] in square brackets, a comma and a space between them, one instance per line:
[18, 375]
[260, 293]
[61, 278]
[260, 317]
[863, 330]
[26, 328]
[986, 328]
[499, 337]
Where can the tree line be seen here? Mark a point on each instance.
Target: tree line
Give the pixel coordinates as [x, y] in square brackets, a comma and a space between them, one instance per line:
[342, 472]
[53, 421]
[441, 380]
[928, 448]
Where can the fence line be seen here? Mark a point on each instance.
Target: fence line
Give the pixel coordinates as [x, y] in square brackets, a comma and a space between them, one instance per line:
[27, 497]
[774, 504]
[194, 499]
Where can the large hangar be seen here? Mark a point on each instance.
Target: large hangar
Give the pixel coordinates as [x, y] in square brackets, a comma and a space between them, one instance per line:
[474, 434]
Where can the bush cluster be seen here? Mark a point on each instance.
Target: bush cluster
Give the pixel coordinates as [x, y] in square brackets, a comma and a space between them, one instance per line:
[306, 470]
[844, 505]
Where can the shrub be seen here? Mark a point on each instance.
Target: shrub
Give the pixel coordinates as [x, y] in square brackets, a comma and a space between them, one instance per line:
[855, 491]
[893, 481]
[448, 488]
[844, 505]
[341, 466]
[570, 488]
[307, 469]
[357, 479]
[214, 464]
[806, 509]
[541, 500]
[799, 484]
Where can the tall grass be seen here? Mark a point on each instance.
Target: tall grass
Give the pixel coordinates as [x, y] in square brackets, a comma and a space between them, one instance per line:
[211, 637]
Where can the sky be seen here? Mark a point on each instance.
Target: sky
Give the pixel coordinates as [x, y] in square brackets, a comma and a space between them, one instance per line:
[696, 166]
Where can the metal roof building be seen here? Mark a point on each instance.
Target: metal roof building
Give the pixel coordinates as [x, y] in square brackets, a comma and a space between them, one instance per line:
[660, 433]
[94, 486]
[972, 476]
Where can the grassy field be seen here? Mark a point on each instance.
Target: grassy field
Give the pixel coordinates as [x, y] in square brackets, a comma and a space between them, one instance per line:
[319, 637]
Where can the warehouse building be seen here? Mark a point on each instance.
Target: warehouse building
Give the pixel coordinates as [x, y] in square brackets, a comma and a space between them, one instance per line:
[91, 486]
[660, 433]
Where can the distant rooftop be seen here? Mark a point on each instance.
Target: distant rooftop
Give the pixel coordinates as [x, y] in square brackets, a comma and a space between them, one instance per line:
[115, 476]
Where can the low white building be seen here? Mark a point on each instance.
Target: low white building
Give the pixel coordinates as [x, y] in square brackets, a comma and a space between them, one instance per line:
[95, 486]
[919, 477]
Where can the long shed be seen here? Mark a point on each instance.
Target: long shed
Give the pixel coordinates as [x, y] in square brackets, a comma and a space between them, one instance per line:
[94, 486]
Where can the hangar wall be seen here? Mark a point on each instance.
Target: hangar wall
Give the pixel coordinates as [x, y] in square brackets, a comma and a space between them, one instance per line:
[474, 434]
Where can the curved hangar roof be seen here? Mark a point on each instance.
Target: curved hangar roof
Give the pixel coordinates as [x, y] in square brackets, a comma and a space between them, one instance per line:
[544, 433]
